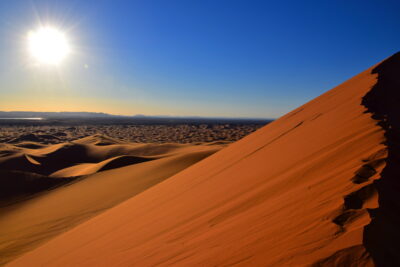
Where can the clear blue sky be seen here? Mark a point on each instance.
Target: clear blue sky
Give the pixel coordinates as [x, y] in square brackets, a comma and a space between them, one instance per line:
[207, 58]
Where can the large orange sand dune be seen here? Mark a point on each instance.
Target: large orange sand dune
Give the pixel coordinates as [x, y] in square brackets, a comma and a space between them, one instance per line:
[300, 191]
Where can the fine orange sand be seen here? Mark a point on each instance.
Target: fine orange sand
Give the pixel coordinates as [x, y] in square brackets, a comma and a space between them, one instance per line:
[299, 191]
[109, 172]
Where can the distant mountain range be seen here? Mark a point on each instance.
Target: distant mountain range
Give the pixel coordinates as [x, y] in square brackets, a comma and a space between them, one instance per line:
[87, 115]
[47, 115]
[100, 118]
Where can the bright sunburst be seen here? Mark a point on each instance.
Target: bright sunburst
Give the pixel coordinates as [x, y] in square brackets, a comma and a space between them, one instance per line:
[48, 45]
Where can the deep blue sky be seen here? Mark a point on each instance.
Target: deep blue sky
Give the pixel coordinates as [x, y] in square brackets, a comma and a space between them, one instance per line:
[207, 58]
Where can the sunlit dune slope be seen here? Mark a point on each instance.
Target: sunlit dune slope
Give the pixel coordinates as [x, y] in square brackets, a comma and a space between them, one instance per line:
[300, 191]
[35, 207]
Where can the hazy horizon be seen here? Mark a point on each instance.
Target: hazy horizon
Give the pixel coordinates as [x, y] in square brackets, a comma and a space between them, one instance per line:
[135, 115]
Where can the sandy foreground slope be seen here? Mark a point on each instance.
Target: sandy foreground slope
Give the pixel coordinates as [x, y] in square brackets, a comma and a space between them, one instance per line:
[300, 191]
[108, 171]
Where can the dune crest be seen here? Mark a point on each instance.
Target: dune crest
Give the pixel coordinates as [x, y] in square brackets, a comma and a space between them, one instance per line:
[300, 191]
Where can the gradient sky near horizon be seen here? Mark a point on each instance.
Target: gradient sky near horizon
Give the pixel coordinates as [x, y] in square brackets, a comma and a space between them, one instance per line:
[204, 58]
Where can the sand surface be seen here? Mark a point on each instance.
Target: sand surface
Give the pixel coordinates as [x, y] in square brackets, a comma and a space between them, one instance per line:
[48, 189]
[301, 191]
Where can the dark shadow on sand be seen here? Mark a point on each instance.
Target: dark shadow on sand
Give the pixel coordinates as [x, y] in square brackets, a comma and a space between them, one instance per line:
[382, 235]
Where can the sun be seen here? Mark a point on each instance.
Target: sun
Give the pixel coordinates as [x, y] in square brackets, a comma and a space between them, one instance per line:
[48, 45]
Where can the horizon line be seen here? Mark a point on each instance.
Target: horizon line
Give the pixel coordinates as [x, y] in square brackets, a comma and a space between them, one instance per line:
[143, 115]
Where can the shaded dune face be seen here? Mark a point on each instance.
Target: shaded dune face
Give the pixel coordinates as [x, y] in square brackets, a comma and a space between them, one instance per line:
[47, 189]
[18, 184]
[316, 187]
[382, 235]
[108, 164]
